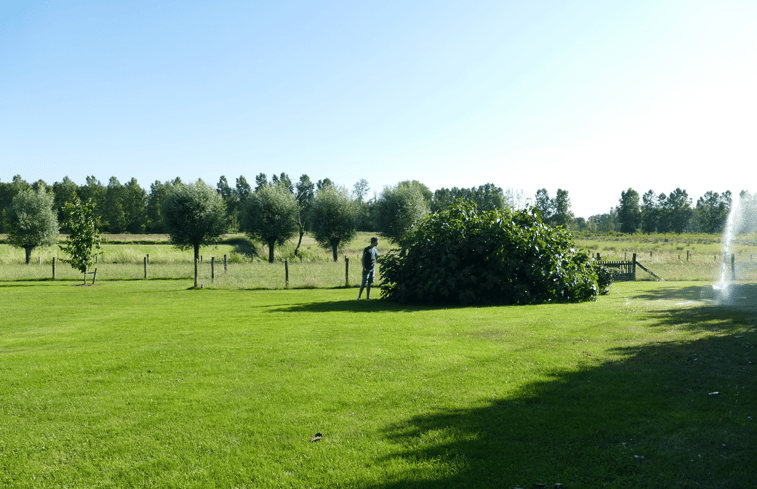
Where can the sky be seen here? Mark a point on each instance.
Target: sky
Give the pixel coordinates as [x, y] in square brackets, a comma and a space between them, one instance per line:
[594, 96]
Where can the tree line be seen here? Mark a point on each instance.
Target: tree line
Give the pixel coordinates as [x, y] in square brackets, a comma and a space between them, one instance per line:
[674, 213]
[272, 211]
[130, 208]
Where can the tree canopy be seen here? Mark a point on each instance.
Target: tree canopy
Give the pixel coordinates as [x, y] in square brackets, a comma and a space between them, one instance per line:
[332, 217]
[83, 242]
[193, 215]
[270, 215]
[32, 221]
[400, 209]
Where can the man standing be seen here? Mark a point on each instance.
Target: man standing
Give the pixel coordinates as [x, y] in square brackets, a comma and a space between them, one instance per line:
[370, 254]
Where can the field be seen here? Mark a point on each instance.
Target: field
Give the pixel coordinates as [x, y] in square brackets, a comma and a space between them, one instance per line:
[246, 262]
[150, 384]
[671, 257]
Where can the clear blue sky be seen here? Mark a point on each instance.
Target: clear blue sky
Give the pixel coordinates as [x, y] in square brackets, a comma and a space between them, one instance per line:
[590, 96]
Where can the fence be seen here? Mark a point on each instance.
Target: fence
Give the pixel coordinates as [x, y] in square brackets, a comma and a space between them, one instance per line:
[211, 271]
[626, 269]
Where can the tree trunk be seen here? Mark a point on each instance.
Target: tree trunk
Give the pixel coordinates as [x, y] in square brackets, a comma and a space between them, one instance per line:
[197, 258]
[296, 250]
[271, 244]
[334, 246]
[28, 251]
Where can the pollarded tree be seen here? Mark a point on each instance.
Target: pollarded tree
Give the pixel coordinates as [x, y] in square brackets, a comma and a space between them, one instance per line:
[83, 242]
[271, 215]
[332, 217]
[462, 256]
[400, 209]
[32, 220]
[194, 215]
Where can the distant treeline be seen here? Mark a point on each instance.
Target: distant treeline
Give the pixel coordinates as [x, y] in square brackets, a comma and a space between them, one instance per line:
[129, 208]
[674, 213]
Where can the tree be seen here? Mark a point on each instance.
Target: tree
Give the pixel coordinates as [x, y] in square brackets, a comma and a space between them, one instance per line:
[114, 213]
[283, 180]
[260, 181]
[463, 256]
[135, 207]
[65, 191]
[484, 197]
[650, 212]
[271, 216]
[677, 210]
[155, 201]
[489, 197]
[94, 191]
[399, 210]
[194, 216]
[333, 217]
[544, 205]
[304, 193]
[8, 192]
[563, 216]
[324, 184]
[360, 190]
[242, 192]
[229, 201]
[33, 221]
[712, 211]
[629, 212]
[83, 242]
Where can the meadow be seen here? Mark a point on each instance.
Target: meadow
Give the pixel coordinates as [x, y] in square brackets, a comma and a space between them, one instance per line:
[149, 383]
[671, 257]
[247, 264]
[152, 384]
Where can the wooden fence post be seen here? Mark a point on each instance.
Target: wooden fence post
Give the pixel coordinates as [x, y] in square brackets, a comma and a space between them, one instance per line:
[346, 271]
[286, 273]
[633, 267]
[224, 263]
[53, 268]
[145, 268]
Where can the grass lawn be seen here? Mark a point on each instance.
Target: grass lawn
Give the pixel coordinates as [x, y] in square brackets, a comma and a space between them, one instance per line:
[148, 384]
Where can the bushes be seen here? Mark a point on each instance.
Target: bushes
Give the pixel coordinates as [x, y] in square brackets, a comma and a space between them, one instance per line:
[462, 256]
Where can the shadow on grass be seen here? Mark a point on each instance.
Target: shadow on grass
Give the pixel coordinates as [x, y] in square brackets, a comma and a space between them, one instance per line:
[667, 414]
[361, 306]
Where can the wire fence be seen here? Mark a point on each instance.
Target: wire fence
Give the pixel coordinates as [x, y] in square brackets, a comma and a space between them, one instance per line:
[210, 272]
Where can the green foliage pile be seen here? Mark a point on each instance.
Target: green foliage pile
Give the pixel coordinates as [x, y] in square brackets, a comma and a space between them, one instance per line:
[469, 257]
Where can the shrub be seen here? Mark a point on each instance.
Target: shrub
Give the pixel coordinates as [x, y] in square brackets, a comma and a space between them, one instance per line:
[465, 257]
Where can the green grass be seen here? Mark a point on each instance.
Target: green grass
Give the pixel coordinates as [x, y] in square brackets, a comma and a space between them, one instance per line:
[149, 384]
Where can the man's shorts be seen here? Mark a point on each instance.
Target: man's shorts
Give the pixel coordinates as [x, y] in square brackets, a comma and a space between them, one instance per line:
[368, 275]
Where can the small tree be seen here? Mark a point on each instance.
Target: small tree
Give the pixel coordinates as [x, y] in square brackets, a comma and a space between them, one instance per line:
[83, 242]
[32, 221]
[271, 216]
[333, 217]
[193, 215]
